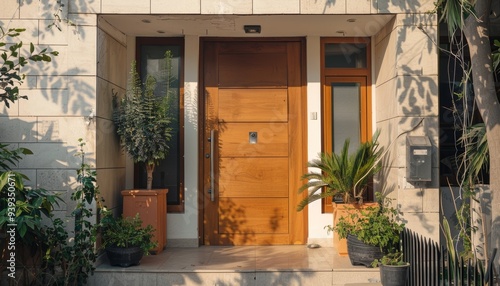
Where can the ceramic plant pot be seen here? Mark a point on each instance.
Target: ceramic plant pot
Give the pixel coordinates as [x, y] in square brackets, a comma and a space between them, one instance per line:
[394, 275]
[361, 253]
[124, 256]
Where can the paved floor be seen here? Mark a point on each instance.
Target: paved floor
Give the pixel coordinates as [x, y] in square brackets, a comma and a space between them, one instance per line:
[239, 265]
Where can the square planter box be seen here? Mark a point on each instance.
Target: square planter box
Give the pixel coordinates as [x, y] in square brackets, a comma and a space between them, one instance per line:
[151, 205]
[343, 210]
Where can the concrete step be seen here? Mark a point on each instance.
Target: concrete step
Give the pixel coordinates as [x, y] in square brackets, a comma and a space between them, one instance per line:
[289, 265]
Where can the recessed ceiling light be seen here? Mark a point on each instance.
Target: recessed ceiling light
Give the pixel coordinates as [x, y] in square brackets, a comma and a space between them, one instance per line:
[160, 32]
[351, 20]
[147, 21]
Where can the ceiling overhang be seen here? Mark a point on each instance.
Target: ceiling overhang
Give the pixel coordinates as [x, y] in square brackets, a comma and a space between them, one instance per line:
[232, 25]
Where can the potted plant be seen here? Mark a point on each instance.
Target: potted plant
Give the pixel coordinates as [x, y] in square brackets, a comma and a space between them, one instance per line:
[144, 125]
[342, 177]
[393, 269]
[371, 232]
[125, 240]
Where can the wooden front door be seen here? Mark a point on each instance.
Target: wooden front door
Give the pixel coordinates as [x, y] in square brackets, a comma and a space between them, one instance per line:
[253, 142]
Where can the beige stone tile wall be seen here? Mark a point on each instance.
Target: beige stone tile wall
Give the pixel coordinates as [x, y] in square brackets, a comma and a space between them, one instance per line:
[61, 95]
[255, 6]
[406, 99]
[92, 64]
[112, 71]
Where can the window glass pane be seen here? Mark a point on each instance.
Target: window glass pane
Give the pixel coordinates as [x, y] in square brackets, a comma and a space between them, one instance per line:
[346, 120]
[167, 75]
[345, 55]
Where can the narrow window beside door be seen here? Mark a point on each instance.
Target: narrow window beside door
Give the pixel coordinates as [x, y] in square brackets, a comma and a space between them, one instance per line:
[150, 56]
[346, 89]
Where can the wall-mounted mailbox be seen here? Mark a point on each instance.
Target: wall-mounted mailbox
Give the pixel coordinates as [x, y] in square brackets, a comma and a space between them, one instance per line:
[418, 159]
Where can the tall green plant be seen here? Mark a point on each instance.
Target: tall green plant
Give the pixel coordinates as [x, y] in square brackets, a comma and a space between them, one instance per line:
[143, 121]
[342, 173]
[71, 263]
[468, 23]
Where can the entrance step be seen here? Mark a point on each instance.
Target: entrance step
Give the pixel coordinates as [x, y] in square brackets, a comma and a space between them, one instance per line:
[240, 265]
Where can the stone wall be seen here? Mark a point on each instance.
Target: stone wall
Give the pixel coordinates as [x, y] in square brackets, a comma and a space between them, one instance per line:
[112, 71]
[62, 96]
[406, 99]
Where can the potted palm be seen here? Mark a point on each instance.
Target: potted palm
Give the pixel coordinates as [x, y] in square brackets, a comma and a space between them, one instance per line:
[342, 177]
[144, 126]
[125, 240]
[371, 232]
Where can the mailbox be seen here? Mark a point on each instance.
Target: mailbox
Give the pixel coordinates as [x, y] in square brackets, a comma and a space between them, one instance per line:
[418, 159]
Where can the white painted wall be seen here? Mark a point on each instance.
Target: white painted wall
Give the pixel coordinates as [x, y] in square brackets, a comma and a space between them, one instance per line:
[316, 219]
[185, 226]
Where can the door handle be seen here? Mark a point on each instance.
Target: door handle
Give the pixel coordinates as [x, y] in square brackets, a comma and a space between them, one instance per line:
[211, 191]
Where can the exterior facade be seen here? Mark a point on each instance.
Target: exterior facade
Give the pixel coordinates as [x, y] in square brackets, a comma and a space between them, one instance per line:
[253, 107]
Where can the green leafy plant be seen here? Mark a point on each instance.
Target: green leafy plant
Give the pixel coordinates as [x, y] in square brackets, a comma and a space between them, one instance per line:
[342, 174]
[22, 214]
[393, 258]
[29, 206]
[127, 232]
[143, 121]
[9, 158]
[72, 263]
[11, 63]
[379, 226]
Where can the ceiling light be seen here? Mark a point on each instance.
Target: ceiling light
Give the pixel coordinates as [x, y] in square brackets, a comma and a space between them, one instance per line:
[252, 29]
[351, 20]
[147, 21]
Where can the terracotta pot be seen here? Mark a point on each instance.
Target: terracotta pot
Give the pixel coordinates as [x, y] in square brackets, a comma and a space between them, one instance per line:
[343, 210]
[151, 205]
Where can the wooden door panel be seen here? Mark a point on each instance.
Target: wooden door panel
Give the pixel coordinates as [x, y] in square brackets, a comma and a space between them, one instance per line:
[234, 139]
[253, 215]
[250, 188]
[253, 177]
[257, 105]
[253, 70]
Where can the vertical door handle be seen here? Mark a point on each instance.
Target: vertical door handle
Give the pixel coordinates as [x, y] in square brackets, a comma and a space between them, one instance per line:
[212, 165]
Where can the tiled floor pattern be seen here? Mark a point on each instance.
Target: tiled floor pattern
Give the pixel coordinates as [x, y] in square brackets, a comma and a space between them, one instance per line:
[239, 265]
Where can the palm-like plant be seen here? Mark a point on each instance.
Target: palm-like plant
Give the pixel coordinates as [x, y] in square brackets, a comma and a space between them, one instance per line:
[342, 174]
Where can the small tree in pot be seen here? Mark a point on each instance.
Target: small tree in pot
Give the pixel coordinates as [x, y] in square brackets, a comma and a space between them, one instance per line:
[143, 122]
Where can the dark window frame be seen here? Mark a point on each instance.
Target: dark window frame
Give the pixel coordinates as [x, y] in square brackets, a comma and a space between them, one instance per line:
[168, 41]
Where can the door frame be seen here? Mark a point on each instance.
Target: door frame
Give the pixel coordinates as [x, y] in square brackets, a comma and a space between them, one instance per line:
[301, 225]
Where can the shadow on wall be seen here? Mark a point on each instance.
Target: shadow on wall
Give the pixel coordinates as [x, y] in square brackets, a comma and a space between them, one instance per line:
[53, 164]
[70, 94]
